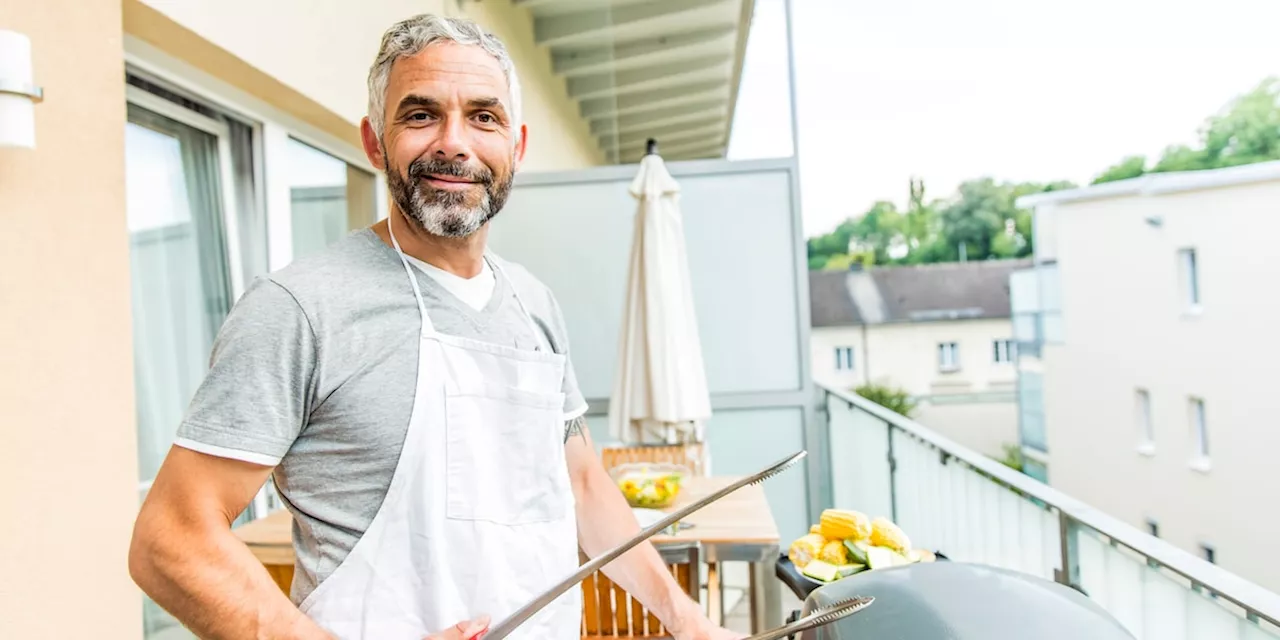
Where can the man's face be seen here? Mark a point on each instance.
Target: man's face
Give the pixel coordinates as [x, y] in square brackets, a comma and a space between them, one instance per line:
[448, 145]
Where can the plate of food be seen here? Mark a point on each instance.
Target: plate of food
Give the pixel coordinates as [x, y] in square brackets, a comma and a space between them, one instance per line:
[649, 485]
[845, 543]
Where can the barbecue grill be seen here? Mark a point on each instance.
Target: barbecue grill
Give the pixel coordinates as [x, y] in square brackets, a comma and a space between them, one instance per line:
[955, 601]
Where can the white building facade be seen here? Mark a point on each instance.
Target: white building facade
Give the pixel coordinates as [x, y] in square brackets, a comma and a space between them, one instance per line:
[1146, 362]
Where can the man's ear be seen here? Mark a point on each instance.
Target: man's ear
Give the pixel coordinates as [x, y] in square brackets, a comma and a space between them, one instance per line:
[520, 147]
[372, 145]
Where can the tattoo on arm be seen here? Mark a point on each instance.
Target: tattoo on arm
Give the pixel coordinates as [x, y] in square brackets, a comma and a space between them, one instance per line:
[575, 427]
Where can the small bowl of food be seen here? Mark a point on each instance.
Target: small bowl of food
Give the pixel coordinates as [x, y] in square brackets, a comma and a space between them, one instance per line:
[649, 485]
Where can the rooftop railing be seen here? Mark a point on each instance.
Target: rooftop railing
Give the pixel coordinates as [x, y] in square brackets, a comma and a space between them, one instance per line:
[975, 509]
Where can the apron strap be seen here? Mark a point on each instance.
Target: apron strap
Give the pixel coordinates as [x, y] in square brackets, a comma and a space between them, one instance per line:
[533, 326]
[427, 327]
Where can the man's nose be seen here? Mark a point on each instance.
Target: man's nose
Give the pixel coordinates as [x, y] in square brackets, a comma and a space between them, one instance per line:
[452, 144]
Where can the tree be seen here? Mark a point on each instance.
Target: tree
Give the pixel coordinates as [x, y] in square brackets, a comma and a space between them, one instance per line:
[892, 398]
[1130, 167]
[1247, 131]
[878, 229]
[982, 220]
[976, 217]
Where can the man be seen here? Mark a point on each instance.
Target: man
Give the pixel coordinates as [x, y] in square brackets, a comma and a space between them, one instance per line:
[413, 396]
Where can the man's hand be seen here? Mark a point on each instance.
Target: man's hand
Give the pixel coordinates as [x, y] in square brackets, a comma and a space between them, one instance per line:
[605, 519]
[465, 630]
[694, 625]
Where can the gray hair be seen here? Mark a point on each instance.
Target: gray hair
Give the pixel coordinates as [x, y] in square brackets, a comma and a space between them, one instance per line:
[409, 37]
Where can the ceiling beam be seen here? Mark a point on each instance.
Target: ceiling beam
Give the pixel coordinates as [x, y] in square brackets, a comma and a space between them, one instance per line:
[605, 84]
[594, 59]
[594, 108]
[695, 149]
[660, 116]
[580, 25]
[675, 135]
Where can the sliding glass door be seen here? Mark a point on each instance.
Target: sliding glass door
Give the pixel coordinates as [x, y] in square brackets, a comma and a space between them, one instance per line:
[181, 281]
[178, 207]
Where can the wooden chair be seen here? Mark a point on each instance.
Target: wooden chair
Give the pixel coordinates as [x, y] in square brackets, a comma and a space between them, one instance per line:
[691, 455]
[610, 612]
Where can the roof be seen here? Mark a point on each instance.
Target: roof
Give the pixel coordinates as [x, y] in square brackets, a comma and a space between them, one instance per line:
[1161, 183]
[924, 293]
[639, 69]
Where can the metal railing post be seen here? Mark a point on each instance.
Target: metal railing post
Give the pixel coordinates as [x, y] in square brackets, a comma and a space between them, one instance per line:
[1069, 573]
[893, 468]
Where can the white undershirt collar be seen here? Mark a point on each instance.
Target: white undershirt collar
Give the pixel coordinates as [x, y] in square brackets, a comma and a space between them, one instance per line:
[475, 292]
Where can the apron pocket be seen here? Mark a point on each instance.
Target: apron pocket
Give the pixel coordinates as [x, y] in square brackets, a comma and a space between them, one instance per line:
[505, 455]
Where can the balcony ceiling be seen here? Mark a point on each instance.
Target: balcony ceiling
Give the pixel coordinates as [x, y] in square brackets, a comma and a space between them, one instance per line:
[639, 69]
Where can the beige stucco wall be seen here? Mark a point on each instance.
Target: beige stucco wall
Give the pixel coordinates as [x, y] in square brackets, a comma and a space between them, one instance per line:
[1124, 328]
[906, 356]
[322, 49]
[68, 470]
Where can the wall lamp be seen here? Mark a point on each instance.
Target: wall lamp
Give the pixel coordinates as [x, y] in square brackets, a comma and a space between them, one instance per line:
[18, 93]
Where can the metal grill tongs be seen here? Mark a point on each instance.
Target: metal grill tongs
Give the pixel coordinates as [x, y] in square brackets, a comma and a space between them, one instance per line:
[817, 618]
[505, 627]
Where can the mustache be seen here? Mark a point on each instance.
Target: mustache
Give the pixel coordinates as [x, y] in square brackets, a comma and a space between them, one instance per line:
[423, 167]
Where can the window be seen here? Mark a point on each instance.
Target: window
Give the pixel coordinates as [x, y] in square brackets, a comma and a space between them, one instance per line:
[948, 356]
[327, 198]
[1209, 554]
[1189, 276]
[844, 358]
[1142, 419]
[1005, 350]
[1153, 528]
[1035, 469]
[1199, 433]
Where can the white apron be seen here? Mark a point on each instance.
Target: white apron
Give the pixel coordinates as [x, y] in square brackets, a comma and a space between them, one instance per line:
[479, 517]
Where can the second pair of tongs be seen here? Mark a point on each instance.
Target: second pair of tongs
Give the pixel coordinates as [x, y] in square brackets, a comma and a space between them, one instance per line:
[817, 618]
[504, 628]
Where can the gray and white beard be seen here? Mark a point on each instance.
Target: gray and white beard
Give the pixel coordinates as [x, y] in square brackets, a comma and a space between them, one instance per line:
[443, 213]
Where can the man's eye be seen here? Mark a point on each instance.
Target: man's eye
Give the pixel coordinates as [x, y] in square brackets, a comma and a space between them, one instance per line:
[419, 117]
[487, 118]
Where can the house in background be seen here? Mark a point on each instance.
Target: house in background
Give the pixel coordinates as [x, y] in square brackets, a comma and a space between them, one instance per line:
[941, 332]
[1146, 331]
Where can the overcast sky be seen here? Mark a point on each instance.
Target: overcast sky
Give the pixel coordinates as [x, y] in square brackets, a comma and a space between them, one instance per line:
[1016, 89]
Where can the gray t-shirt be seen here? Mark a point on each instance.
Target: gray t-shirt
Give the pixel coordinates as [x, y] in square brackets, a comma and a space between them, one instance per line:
[315, 368]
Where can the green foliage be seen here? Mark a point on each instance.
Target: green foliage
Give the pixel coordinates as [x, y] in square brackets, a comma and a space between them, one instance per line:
[891, 398]
[1130, 167]
[981, 215]
[842, 261]
[1247, 131]
[1012, 457]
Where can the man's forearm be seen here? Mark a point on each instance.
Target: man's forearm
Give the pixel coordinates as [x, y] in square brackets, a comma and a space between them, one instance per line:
[604, 521]
[210, 581]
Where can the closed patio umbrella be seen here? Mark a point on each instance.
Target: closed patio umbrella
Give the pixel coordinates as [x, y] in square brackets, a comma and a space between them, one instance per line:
[660, 388]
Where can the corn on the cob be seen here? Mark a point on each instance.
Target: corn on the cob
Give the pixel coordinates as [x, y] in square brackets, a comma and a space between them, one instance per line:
[806, 549]
[834, 552]
[837, 524]
[887, 534]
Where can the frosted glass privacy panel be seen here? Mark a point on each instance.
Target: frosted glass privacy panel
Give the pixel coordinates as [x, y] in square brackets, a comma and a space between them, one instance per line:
[573, 230]
[744, 441]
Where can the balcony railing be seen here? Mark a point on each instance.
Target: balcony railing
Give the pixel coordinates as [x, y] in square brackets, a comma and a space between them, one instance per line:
[974, 509]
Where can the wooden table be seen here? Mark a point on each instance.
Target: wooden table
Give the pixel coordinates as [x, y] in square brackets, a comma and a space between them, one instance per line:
[737, 528]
